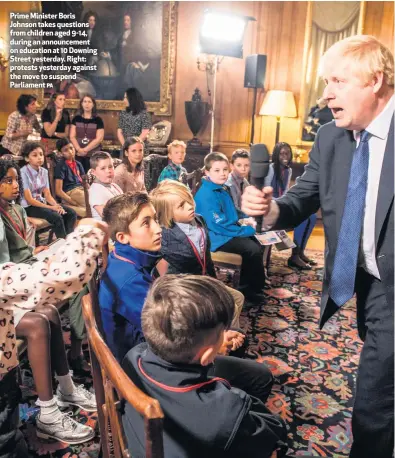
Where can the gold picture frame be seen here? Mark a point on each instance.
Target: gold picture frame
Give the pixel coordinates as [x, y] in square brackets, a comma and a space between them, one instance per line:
[164, 106]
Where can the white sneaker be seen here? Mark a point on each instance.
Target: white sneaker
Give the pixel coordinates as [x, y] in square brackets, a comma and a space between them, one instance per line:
[64, 429]
[80, 397]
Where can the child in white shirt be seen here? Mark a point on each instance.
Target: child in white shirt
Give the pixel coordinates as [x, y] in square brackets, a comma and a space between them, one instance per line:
[103, 188]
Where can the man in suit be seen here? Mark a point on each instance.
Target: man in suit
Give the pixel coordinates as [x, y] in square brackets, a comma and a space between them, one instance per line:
[350, 175]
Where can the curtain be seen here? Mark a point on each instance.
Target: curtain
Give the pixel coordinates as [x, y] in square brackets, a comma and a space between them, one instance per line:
[332, 21]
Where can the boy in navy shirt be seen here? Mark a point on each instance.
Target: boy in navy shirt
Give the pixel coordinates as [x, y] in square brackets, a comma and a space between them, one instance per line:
[68, 178]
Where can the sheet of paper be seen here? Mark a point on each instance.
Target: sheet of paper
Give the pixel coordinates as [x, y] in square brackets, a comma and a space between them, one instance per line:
[268, 238]
[52, 249]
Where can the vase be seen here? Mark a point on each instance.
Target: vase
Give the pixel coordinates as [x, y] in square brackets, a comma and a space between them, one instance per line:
[196, 113]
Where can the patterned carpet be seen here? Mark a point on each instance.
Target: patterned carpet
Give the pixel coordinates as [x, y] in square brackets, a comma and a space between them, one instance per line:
[314, 370]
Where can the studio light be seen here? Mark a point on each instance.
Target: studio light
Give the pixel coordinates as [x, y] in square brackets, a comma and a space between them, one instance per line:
[222, 33]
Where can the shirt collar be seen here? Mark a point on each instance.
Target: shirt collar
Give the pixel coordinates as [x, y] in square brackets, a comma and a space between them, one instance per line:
[33, 171]
[380, 125]
[175, 166]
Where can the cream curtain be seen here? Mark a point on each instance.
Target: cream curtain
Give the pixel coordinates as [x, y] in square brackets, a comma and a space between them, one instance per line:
[332, 21]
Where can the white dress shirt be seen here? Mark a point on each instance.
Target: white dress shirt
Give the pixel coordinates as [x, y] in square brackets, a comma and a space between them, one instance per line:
[379, 129]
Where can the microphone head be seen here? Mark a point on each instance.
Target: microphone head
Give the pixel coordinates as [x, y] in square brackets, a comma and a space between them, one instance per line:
[260, 159]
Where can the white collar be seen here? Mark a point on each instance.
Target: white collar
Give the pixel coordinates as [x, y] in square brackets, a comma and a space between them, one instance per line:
[380, 125]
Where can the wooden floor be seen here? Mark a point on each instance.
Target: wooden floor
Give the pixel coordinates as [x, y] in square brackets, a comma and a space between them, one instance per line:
[317, 239]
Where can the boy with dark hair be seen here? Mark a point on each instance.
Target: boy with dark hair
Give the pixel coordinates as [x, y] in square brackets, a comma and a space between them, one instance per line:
[68, 178]
[240, 164]
[103, 188]
[125, 283]
[184, 320]
[215, 204]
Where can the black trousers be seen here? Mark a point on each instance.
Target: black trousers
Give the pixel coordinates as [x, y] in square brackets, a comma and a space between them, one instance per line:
[62, 224]
[373, 415]
[12, 443]
[252, 271]
[246, 374]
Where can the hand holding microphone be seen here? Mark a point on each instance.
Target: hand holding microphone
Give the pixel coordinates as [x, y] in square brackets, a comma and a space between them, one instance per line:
[256, 201]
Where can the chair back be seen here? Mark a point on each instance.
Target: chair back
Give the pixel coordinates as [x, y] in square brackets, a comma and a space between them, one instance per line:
[85, 184]
[50, 165]
[193, 179]
[112, 387]
[153, 166]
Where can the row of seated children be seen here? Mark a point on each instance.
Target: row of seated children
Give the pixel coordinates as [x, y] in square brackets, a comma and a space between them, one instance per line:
[180, 335]
[41, 327]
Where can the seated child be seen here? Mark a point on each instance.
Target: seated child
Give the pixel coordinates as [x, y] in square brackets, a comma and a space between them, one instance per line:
[129, 175]
[125, 282]
[215, 204]
[103, 187]
[20, 250]
[206, 413]
[176, 152]
[39, 322]
[68, 178]
[185, 240]
[240, 168]
[37, 199]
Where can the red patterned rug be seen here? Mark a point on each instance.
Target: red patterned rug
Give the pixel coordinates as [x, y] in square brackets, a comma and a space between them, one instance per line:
[314, 370]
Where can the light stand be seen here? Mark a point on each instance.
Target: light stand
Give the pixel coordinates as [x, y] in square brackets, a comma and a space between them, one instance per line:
[213, 107]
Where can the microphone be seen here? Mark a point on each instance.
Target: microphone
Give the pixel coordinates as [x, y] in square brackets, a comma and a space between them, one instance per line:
[260, 159]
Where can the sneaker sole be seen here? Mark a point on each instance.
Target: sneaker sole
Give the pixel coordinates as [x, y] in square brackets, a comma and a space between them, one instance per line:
[42, 435]
[68, 404]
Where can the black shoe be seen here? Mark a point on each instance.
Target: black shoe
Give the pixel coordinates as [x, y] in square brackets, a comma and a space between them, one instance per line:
[307, 260]
[255, 297]
[297, 263]
[77, 366]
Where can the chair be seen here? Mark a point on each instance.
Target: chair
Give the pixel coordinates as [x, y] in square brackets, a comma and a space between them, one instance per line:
[153, 166]
[112, 386]
[158, 137]
[85, 184]
[193, 179]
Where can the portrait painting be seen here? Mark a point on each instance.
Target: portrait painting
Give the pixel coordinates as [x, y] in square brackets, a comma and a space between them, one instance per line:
[132, 44]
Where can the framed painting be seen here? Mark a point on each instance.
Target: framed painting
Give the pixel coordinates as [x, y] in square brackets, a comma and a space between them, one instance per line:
[136, 47]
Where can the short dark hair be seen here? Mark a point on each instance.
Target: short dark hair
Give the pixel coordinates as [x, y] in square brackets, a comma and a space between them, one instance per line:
[122, 210]
[62, 142]
[23, 101]
[98, 156]
[240, 153]
[6, 165]
[28, 147]
[182, 312]
[214, 157]
[135, 99]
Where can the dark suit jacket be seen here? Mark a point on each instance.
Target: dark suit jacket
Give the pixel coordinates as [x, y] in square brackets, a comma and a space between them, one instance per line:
[324, 184]
[178, 252]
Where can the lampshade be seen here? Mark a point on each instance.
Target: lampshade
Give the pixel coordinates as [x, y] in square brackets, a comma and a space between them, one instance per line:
[279, 103]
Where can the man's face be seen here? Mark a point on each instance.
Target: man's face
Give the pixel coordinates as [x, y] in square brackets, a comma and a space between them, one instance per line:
[241, 166]
[127, 23]
[92, 22]
[351, 100]
[219, 172]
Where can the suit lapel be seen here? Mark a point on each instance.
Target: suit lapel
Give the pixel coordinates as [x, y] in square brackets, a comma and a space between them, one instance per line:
[344, 148]
[386, 186]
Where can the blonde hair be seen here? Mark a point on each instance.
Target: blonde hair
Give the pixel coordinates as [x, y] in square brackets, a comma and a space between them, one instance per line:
[368, 55]
[175, 143]
[163, 205]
